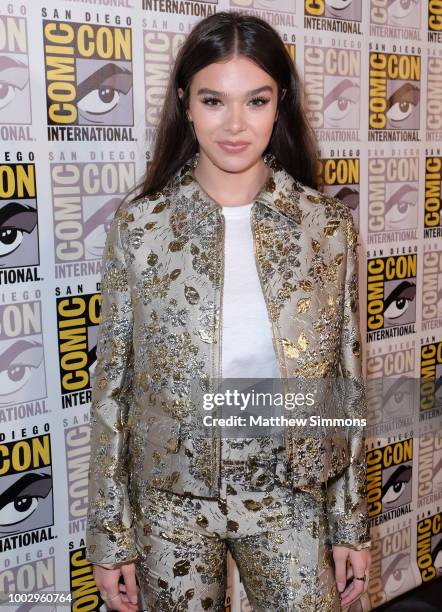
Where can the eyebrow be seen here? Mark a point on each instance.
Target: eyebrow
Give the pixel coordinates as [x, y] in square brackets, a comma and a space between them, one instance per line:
[252, 92]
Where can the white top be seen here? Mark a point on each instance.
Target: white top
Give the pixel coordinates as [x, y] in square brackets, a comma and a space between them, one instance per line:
[247, 346]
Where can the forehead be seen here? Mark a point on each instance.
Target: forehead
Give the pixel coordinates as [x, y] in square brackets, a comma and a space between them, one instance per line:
[237, 75]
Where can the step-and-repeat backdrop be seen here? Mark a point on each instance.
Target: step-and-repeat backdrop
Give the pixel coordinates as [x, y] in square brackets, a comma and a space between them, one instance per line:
[81, 88]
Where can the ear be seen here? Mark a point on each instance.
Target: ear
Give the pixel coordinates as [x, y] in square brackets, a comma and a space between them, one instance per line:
[180, 92]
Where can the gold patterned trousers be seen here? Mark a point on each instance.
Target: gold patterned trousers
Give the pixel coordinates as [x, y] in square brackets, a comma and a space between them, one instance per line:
[277, 536]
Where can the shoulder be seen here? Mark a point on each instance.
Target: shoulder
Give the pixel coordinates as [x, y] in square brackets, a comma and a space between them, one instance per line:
[146, 211]
[328, 206]
[315, 208]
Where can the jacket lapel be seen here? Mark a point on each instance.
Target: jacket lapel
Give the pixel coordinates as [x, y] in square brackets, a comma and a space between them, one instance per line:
[279, 193]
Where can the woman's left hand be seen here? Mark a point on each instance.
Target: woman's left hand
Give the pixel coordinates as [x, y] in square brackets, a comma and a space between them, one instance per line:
[360, 561]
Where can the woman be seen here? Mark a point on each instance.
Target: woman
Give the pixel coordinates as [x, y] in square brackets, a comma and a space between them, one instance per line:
[230, 263]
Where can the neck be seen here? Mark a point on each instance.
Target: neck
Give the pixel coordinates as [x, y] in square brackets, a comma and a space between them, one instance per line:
[231, 188]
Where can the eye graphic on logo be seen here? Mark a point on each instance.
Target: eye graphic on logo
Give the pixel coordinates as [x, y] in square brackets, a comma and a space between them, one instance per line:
[15, 220]
[400, 205]
[398, 397]
[341, 101]
[17, 364]
[13, 75]
[395, 575]
[100, 92]
[21, 499]
[403, 102]
[396, 485]
[339, 5]
[349, 197]
[397, 303]
[436, 555]
[96, 227]
[400, 9]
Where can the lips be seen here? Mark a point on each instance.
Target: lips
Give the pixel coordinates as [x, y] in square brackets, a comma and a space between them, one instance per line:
[239, 145]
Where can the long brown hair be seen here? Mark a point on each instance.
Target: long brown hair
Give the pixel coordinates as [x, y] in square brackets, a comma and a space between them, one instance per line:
[218, 38]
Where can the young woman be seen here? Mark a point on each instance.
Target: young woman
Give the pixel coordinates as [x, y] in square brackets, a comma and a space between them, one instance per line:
[229, 263]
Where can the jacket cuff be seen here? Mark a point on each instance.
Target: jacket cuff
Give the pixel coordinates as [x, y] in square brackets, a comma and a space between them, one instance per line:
[110, 549]
[355, 546]
[115, 565]
[352, 530]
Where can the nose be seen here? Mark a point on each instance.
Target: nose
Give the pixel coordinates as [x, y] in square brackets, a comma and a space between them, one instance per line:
[234, 118]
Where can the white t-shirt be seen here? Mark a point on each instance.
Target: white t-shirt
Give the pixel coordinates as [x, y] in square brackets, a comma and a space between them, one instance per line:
[247, 346]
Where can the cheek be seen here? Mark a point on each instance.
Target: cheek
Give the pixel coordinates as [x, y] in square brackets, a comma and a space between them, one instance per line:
[263, 126]
[205, 120]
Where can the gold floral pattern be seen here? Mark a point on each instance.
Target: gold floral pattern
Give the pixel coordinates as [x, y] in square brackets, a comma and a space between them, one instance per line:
[159, 348]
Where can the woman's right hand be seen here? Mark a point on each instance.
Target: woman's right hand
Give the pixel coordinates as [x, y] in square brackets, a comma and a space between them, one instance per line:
[107, 581]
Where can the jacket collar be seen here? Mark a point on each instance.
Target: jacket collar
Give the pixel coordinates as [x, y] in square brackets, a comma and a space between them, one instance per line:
[280, 192]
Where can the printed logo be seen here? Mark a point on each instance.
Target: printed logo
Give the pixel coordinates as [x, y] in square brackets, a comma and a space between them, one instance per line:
[389, 481]
[394, 95]
[391, 572]
[429, 545]
[15, 95]
[77, 321]
[340, 178]
[18, 224]
[77, 444]
[429, 468]
[321, 15]
[160, 50]
[392, 390]
[26, 503]
[434, 21]
[434, 99]
[431, 378]
[433, 198]
[432, 289]
[391, 292]
[190, 9]
[395, 19]
[84, 591]
[88, 72]
[85, 197]
[17, 580]
[287, 7]
[393, 192]
[21, 360]
[332, 79]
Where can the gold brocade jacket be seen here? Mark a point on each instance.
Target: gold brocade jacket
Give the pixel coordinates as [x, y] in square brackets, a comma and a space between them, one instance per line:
[159, 344]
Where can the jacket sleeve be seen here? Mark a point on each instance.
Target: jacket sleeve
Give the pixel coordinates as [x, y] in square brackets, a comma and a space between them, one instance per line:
[109, 537]
[346, 493]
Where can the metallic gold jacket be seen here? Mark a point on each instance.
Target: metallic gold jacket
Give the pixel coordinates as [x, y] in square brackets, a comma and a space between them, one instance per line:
[159, 344]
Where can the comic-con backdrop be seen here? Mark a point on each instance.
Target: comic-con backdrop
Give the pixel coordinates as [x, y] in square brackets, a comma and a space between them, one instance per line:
[81, 88]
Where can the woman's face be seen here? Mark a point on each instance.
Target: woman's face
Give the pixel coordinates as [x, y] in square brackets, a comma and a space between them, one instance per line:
[233, 101]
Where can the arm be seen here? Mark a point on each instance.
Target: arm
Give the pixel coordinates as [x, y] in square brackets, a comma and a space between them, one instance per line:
[347, 504]
[109, 538]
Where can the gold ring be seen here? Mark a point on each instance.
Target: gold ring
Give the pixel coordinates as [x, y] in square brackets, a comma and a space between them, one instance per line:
[364, 577]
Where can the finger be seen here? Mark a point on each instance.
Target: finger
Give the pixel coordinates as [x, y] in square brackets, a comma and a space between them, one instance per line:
[351, 601]
[340, 572]
[347, 591]
[356, 591]
[349, 576]
[120, 606]
[128, 572]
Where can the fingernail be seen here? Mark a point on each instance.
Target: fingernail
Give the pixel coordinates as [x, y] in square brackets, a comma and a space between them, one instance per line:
[341, 586]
